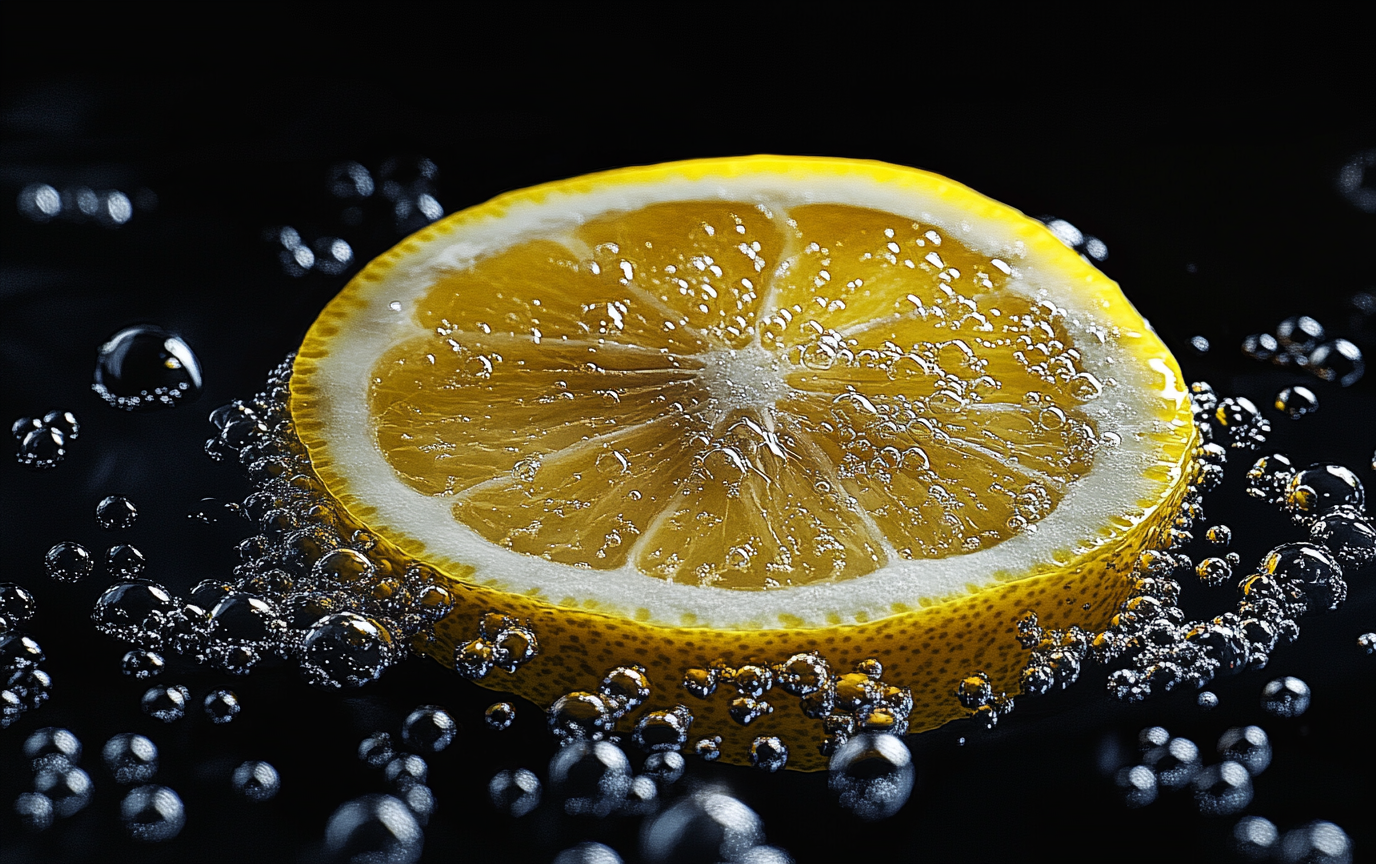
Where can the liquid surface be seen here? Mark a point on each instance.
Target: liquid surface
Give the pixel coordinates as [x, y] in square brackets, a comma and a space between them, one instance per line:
[719, 395]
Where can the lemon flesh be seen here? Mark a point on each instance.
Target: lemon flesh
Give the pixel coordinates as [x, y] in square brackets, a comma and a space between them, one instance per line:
[734, 409]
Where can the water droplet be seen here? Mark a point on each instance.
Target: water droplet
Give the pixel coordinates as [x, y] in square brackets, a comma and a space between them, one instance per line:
[222, 706]
[768, 753]
[146, 367]
[1221, 790]
[580, 715]
[708, 825]
[374, 828]
[664, 730]
[515, 792]
[130, 758]
[152, 814]
[166, 702]
[500, 715]
[428, 729]
[115, 513]
[590, 777]
[1285, 697]
[1296, 402]
[256, 780]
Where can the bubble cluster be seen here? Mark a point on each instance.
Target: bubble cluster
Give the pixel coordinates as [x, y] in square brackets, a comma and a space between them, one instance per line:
[1302, 342]
[68, 562]
[145, 367]
[24, 685]
[374, 828]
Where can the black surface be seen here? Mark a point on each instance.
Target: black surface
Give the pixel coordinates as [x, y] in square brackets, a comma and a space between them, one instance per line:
[1214, 188]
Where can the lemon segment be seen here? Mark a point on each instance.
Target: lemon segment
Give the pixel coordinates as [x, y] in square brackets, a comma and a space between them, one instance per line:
[736, 409]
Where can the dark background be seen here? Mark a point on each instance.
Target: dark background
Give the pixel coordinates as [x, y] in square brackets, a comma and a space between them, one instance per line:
[1208, 165]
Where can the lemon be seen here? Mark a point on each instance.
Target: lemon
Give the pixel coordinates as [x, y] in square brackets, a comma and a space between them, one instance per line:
[730, 410]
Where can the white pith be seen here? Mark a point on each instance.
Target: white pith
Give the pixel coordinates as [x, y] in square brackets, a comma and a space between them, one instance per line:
[1123, 414]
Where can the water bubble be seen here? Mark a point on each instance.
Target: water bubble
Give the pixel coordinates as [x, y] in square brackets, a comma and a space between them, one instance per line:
[146, 367]
[406, 771]
[152, 814]
[428, 729]
[376, 750]
[35, 811]
[664, 730]
[1299, 334]
[1245, 426]
[625, 689]
[243, 628]
[221, 706]
[166, 702]
[115, 512]
[52, 747]
[1207, 700]
[1354, 182]
[1316, 843]
[1339, 361]
[665, 767]
[1269, 478]
[1254, 838]
[803, 674]
[124, 561]
[700, 682]
[1321, 487]
[500, 715]
[588, 853]
[1137, 784]
[1367, 642]
[1296, 402]
[513, 646]
[333, 255]
[708, 749]
[1221, 790]
[256, 780]
[68, 787]
[1175, 764]
[745, 710]
[590, 777]
[40, 202]
[133, 611]
[872, 775]
[579, 715]
[515, 792]
[346, 650]
[1310, 569]
[1214, 572]
[473, 660]
[768, 753]
[372, 829]
[1248, 746]
[1285, 697]
[708, 825]
[131, 758]
[1347, 533]
[17, 606]
[68, 562]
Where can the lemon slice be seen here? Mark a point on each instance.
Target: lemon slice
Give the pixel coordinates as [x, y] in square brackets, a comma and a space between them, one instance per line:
[736, 409]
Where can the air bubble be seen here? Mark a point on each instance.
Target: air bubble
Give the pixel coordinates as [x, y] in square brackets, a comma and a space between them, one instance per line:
[515, 792]
[579, 715]
[404, 772]
[346, 650]
[35, 811]
[872, 775]
[52, 747]
[1285, 697]
[152, 814]
[1296, 402]
[1248, 746]
[166, 702]
[1137, 784]
[1321, 487]
[500, 715]
[66, 786]
[768, 753]
[1175, 764]
[146, 367]
[130, 758]
[1316, 843]
[590, 777]
[374, 828]
[1340, 361]
[1347, 533]
[1214, 572]
[116, 512]
[664, 730]
[428, 729]
[221, 706]
[1222, 790]
[588, 853]
[706, 826]
[1254, 838]
[256, 780]
[17, 606]
[1207, 700]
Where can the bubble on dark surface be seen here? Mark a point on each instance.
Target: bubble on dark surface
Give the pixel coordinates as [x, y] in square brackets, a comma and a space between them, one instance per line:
[872, 775]
[1137, 783]
[663, 730]
[123, 561]
[51, 747]
[35, 811]
[333, 255]
[350, 181]
[152, 814]
[428, 729]
[145, 367]
[580, 715]
[1199, 345]
[1269, 478]
[709, 825]
[1261, 346]
[1318, 842]
[66, 786]
[130, 758]
[256, 780]
[1222, 790]
[1214, 572]
[1354, 181]
[590, 777]
[588, 853]
[708, 749]
[243, 630]
[116, 513]
[142, 664]
[1347, 533]
[515, 793]
[17, 606]
[166, 702]
[374, 829]
[133, 611]
[376, 749]
[1339, 361]
[1285, 697]
[1367, 643]
[68, 562]
[346, 650]
[1321, 487]
[420, 800]
[500, 715]
[1254, 838]
[221, 706]
[41, 447]
[1296, 402]
[1309, 569]
[1249, 746]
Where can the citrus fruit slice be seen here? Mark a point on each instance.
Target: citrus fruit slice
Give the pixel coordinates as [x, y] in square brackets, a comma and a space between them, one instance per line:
[732, 410]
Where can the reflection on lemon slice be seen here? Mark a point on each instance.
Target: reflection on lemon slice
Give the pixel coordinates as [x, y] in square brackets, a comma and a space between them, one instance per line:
[736, 409]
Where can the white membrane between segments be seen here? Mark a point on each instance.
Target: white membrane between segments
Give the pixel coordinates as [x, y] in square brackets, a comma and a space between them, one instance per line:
[1115, 485]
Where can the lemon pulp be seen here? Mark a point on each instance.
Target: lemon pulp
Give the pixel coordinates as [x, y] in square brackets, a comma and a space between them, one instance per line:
[733, 409]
